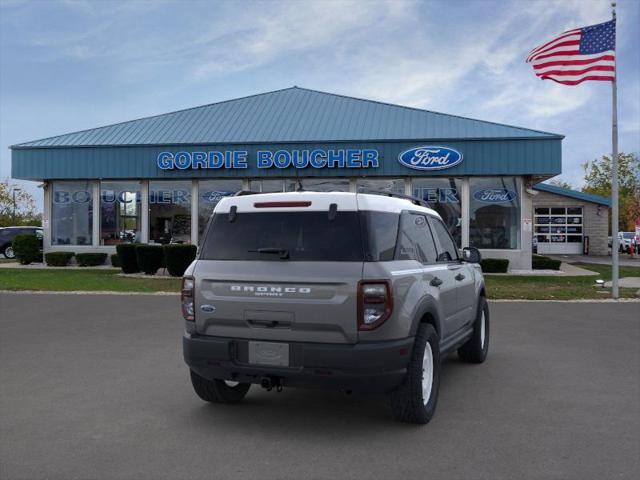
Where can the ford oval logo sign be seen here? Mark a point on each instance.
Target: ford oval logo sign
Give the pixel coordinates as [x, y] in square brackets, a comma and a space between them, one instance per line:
[495, 195]
[430, 158]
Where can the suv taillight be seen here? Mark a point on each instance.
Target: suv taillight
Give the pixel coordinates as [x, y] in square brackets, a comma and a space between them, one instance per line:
[375, 303]
[186, 297]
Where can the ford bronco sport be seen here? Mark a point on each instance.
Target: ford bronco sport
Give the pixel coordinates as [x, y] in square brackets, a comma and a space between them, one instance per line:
[358, 292]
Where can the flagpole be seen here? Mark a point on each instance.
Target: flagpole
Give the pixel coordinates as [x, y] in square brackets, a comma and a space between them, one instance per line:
[614, 177]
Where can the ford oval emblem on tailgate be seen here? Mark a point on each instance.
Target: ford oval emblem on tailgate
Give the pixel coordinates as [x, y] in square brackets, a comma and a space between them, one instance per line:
[430, 158]
[208, 308]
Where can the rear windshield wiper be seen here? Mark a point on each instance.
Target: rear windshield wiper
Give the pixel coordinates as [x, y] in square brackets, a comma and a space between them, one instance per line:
[283, 252]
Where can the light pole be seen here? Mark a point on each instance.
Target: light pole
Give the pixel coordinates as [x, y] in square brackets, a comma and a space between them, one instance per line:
[14, 203]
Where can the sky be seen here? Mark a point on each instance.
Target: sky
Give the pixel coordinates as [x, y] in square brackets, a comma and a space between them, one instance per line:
[72, 65]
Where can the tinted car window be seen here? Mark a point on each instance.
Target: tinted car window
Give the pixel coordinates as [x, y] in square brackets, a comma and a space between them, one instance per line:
[447, 250]
[415, 241]
[298, 236]
[380, 230]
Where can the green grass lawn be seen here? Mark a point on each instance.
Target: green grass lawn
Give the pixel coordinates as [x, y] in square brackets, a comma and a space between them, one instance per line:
[557, 288]
[81, 280]
[498, 287]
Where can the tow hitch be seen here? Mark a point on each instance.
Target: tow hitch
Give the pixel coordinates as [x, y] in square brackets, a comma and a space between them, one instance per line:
[269, 383]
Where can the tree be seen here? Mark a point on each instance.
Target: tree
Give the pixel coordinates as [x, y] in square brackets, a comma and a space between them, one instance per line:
[25, 207]
[597, 179]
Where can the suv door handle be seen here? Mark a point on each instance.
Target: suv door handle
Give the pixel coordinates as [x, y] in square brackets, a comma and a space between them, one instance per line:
[459, 277]
[435, 282]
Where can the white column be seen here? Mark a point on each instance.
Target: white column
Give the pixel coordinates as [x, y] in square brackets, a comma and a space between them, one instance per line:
[46, 216]
[464, 206]
[353, 187]
[95, 237]
[408, 190]
[194, 211]
[245, 184]
[144, 211]
[526, 237]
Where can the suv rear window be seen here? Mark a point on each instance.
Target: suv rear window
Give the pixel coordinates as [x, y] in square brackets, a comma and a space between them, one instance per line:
[289, 236]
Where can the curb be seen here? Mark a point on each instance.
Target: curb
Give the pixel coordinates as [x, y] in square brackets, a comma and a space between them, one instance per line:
[575, 300]
[80, 292]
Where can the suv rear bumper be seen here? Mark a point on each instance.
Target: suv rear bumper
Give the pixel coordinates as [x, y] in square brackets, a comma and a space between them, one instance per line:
[369, 367]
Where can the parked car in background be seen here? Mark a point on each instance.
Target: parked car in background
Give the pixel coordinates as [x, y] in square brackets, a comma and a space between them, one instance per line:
[625, 240]
[7, 234]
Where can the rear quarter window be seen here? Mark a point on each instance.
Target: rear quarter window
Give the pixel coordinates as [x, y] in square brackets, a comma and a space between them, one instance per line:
[380, 231]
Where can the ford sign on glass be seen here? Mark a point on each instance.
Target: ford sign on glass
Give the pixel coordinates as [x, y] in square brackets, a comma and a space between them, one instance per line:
[430, 158]
[495, 195]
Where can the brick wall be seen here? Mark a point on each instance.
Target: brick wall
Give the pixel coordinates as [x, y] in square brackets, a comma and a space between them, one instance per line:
[595, 226]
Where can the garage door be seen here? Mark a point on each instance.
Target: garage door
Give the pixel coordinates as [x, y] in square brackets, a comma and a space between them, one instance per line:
[558, 229]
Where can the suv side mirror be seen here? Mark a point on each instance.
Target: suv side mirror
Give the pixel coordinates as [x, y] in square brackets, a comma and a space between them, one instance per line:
[471, 255]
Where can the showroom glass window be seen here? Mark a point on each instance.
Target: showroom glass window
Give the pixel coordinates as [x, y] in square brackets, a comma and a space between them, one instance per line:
[319, 184]
[170, 212]
[444, 195]
[119, 212]
[267, 185]
[494, 213]
[71, 213]
[210, 192]
[394, 185]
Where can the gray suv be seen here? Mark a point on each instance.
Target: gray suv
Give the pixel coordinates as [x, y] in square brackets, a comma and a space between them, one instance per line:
[357, 292]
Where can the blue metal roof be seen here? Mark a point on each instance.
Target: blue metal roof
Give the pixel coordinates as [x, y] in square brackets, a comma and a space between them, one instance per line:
[565, 192]
[289, 116]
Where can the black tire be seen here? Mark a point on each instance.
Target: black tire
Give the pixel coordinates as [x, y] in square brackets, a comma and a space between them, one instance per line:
[8, 252]
[475, 350]
[217, 391]
[407, 402]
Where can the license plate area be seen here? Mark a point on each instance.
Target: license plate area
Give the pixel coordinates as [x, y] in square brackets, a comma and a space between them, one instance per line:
[269, 353]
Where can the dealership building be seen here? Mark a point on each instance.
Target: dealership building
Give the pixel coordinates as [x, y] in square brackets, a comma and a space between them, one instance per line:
[156, 180]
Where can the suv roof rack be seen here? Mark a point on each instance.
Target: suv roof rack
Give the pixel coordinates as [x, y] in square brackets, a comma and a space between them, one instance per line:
[384, 193]
[414, 200]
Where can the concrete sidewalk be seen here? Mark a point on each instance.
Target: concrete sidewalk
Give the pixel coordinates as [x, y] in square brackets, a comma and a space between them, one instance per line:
[566, 270]
[44, 266]
[624, 259]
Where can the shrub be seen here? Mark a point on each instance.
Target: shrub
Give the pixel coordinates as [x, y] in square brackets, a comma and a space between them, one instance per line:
[115, 260]
[495, 265]
[27, 248]
[178, 257]
[127, 257]
[90, 259]
[149, 258]
[545, 263]
[58, 259]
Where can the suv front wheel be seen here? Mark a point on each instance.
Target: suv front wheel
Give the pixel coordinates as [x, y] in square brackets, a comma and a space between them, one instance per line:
[415, 400]
[218, 391]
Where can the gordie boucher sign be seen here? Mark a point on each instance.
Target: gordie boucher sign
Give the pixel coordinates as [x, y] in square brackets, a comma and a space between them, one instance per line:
[238, 159]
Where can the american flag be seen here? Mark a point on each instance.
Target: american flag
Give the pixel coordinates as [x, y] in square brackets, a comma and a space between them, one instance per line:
[587, 53]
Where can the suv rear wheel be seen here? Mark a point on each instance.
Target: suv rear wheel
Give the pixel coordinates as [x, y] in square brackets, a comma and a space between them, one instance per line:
[415, 400]
[218, 391]
[477, 347]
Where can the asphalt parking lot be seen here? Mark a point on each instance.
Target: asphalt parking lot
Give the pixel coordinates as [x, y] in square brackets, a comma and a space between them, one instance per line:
[94, 387]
